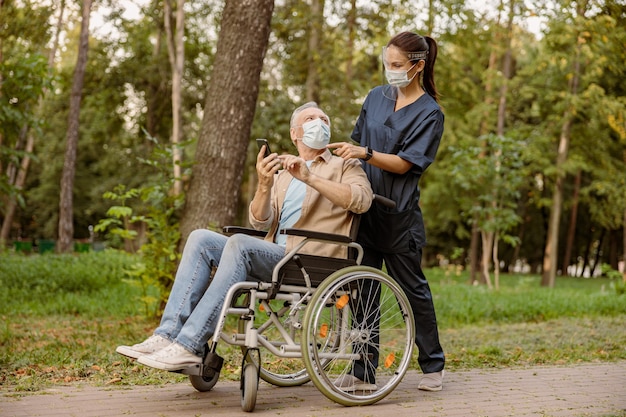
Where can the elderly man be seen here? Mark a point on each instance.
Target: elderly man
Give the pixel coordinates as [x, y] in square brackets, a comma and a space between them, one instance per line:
[315, 190]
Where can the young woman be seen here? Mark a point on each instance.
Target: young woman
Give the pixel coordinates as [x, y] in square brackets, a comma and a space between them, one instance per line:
[399, 130]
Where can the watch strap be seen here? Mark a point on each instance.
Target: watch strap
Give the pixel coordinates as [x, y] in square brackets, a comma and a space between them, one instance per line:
[368, 153]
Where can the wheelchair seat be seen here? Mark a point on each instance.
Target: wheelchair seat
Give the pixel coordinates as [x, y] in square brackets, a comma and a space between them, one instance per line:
[318, 268]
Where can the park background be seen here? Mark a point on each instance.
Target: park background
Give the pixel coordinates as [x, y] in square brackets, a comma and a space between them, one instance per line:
[111, 104]
[101, 98]
[124, 125]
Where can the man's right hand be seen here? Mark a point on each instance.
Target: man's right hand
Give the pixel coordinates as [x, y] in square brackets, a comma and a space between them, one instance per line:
[267, 167]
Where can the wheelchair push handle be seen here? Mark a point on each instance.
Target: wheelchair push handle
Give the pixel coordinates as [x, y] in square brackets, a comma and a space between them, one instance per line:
[379, 199]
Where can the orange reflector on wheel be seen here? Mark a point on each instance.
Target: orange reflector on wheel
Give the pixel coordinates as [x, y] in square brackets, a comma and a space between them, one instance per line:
[343, 300]
[324, 330]
[390, 359]
[261, 307]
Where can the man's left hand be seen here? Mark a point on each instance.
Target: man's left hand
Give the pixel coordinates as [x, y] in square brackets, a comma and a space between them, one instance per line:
[296, 167]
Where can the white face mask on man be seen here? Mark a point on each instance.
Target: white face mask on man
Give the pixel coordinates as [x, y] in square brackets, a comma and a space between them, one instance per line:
[316, 134]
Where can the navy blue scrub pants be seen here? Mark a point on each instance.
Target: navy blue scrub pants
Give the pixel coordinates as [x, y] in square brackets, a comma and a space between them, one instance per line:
[406, 269]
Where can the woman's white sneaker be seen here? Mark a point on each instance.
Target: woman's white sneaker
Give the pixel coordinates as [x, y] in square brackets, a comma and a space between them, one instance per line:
[350, 383]
[432, 381]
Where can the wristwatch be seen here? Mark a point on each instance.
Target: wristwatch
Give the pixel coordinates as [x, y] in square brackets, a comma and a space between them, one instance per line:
[368, 153]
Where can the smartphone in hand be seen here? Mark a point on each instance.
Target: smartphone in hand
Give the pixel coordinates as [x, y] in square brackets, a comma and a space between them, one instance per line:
[260, 143]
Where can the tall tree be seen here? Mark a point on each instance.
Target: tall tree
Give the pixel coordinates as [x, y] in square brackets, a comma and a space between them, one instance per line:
[486, 126]
[176, 53]
[24, 164]
[66, 207]
[24, 36]
[229, 110]
[316, 31]
[550, 258]
[507, 71]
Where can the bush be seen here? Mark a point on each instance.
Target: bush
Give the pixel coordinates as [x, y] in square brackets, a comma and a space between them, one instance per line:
[154, 205]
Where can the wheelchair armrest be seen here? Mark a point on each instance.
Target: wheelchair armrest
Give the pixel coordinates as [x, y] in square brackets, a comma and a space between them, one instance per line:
[230, 230]
[317, 235]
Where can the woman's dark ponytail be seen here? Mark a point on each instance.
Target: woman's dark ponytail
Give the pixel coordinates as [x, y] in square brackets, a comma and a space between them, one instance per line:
[429, 69]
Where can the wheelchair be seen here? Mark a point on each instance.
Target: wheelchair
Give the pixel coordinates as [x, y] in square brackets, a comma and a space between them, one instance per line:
[315, 320]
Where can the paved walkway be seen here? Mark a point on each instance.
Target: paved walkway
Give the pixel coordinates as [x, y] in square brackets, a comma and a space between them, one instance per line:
[583, 390]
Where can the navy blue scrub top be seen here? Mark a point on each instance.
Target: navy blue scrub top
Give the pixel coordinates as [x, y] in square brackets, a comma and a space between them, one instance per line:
[413, 133]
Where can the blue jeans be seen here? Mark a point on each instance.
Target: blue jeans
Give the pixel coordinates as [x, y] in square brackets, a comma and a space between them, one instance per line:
[196, 300]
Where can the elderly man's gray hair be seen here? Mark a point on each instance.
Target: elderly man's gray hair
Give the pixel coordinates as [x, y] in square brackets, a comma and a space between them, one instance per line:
[303, 107]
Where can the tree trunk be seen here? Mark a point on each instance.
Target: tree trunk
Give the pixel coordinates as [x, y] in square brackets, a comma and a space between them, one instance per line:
[587, 253]
[153, 96]
[496, 264]
[351, 24]
[484, 127]
[176, 53]
[500, 125]
[571, 232]
[520, 234]
[432, 9]
[229, 110]
[551, 251]
[316, 23]
[474, 254]
[507, 71]
[20, 180]
[487, 238]
[66, 217]
[624, 248]
[550, 257]
[1, 80]
[596, 257]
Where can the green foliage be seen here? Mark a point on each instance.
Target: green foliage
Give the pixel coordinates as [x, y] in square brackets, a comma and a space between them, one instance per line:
[127, 88]
[23, 78]
[22, 83]
[618, 280]
[119, 217]
[488, 174]
[158, 210]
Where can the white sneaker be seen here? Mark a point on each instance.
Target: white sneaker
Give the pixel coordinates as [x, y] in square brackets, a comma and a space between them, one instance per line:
[432, 381]
[150, 345]
[171, 358]
[350, 383]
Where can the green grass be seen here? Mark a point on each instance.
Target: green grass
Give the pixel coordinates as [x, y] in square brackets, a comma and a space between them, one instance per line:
[61, 318]
[521, 299]
[522, 324]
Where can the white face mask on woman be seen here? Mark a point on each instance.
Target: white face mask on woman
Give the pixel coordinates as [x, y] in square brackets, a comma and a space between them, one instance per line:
[399, 79]
[316, 134]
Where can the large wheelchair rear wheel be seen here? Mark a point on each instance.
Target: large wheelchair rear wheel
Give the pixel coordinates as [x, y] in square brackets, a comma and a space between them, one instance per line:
[374, 341]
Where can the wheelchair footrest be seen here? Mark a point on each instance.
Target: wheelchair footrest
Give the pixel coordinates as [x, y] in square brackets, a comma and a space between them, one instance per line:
[211, 365]
[214, 362]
